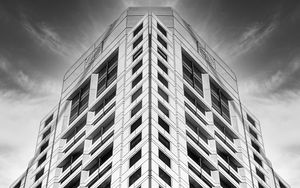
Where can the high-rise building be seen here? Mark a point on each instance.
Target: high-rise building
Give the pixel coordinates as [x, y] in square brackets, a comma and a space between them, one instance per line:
[150, 105]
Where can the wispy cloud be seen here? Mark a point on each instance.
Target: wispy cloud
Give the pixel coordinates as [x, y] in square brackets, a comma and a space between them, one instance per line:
[254, 36]
[46, 36]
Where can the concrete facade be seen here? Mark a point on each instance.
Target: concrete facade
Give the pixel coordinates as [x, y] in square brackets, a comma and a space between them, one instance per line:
[150, 105]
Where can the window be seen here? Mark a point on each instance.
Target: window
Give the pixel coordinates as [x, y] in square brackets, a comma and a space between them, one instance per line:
[108, 73]
[251, 120]
[42, 159]
[135, 158]
[163, 109]
[193, 99]
[137, 53]
[136, 94]
[79, 102]
[137, 80]
[162, 54]
[39, 186]
[100, 160]
[135, 176]
[261, 186]
[39, 174]
[164, 176]
[137, 41]
[162, 66]
[220, 102]
[193, 183]
[106, 183]
[162, 80]
[161, 29]
[46, 133]
[138, 29]
[163, 94]
[191, 73]
[48, 120]
[260, 174]
[162, 42]
[255, 146]
[253, 133]
[164, 141]
[135, 141]
[163, 124]
[199, 159]
[136, 124]
[257, 159]
[137, 66]
[44, 146]
[137, 108]
[164, 158]
[105, 100]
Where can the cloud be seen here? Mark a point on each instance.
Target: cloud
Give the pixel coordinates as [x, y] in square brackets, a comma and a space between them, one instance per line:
[254, 36]
[47, 37]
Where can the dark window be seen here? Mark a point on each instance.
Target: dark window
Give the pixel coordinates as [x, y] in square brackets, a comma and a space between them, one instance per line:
[137, 53]
[162, 41]
[198, 159]
[46, 133]
[192, 74]
[44, 146]
[162, 66]
[136, 94]
[193, 99]
[79, 102]
[163, 94]
[138, 29]
[164, 141]
[135, 109]
[257, 159]
[137, 80]
[255, 146]
[261, 186]
[164, 176]
[105, 100]
[39, 186]
[281, 185]
[18, 185]
[253, 133]
[137, 41]
[161, 29]
[163, 109]
[136, 124]
[194, 184]
[108, 73]
[135, 141]
[137, 66]
[196, 128]
[100, 160]
[48, 120]
[164, 158]
[220, 102]
[135, 158]
[42, 159]
[39, 174]
[162, 80]
[163, 124]
[251, 120]
[106, 183]
[135, 176]
[260, 174]
[162, 54]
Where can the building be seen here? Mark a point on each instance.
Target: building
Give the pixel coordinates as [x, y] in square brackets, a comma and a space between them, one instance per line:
[150, 105]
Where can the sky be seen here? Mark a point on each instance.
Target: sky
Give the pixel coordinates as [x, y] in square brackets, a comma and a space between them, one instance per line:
[41, 39]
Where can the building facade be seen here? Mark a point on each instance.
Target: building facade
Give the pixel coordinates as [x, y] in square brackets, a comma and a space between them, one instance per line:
[149, 105]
